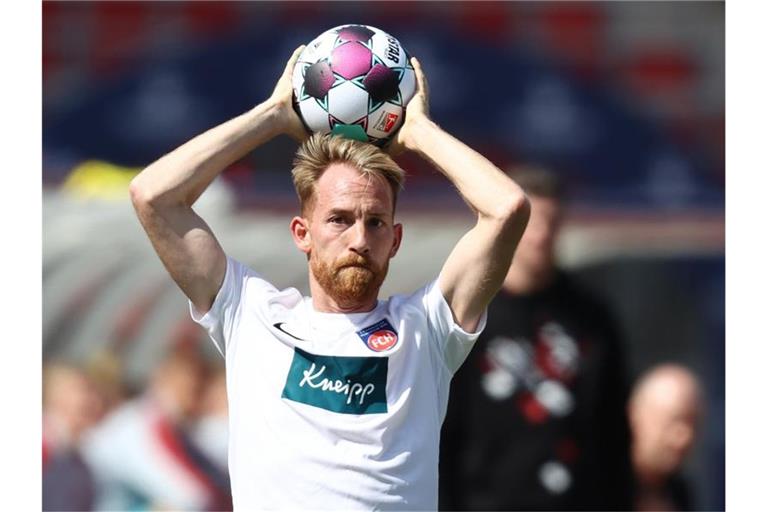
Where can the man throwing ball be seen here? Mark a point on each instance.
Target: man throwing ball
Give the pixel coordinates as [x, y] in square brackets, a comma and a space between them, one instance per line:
[335, 400]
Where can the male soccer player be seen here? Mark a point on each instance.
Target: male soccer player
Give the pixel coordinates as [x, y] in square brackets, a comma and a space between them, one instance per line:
[336, 400]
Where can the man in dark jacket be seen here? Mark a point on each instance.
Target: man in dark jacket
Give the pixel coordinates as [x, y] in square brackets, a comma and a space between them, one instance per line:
[537, 416]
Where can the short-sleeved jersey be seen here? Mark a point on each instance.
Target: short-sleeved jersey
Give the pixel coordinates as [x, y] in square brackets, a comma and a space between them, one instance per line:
[333, 411]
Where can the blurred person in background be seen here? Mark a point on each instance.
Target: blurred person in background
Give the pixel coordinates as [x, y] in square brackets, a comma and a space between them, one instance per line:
[336, 400]
[143, 456]
[211, 428]
[105, 371]
[537, 416]
[71, 406]
[664, 412]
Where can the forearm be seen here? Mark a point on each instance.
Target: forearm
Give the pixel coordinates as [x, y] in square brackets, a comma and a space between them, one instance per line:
[484, 186]
[476, 267]
[179, 177]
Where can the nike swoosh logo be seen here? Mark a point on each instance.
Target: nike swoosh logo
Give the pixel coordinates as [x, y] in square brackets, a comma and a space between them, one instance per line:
[279, 327]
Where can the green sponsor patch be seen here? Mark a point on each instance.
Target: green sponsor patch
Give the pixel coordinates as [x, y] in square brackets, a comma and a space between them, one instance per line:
[347, 385]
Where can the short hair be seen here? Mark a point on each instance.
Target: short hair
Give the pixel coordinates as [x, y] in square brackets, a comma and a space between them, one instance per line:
[538, 181]
[321, 150]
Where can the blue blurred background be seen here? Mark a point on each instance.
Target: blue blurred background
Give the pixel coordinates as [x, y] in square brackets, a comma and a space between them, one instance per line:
[625, 100]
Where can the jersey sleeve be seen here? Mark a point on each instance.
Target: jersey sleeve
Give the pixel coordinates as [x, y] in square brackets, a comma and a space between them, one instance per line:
[225, 311]
[453, 342]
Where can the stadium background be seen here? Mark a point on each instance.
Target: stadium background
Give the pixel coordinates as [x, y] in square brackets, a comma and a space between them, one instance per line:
[624, 99]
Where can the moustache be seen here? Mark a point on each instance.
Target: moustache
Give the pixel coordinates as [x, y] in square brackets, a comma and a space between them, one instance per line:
[355, 260]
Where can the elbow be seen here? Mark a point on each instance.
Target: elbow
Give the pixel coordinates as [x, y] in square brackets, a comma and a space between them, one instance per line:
[521, 207]
[152, 189]
[138, 193]
[514, 211]
[146, 192]
[143, 192]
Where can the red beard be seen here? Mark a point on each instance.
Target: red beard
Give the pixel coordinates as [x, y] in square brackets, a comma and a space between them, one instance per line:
[350, 281]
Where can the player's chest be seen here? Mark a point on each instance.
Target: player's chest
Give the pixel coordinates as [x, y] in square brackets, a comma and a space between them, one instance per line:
[346, 372]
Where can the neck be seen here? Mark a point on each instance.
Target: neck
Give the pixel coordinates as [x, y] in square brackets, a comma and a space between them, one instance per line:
[647, 474]
[325, 303]
[328, 305]
[648, 478]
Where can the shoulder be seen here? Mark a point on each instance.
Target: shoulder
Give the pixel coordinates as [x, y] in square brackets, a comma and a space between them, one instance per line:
[255, 285]
[239, 272]
[417, 300]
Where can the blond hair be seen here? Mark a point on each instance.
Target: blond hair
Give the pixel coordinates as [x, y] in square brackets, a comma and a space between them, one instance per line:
[321, 150]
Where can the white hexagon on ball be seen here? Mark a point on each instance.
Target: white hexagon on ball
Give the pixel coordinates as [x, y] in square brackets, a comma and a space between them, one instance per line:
[314, 116]
[319, 47]
[348, 102]
[298, 77]
[408, 85]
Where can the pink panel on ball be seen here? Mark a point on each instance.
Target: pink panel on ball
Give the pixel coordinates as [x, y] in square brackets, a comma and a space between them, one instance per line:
[351, 60]
[381, 82]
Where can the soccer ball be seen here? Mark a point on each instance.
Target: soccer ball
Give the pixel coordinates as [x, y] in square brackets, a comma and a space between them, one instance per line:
[354, 80]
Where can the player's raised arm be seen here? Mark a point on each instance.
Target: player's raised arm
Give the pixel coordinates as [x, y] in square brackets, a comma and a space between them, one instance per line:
[164, 192]
[476, 267]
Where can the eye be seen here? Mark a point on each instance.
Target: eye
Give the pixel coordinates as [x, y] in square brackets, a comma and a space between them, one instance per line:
[375, 222]
[337, 219]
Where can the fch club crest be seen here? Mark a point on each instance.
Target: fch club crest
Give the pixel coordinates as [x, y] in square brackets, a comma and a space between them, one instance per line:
[380, 336]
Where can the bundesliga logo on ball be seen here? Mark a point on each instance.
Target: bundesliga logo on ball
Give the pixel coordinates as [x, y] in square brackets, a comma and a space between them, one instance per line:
[355, 81]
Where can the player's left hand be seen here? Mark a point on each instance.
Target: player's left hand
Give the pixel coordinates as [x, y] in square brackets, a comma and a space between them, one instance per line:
[416, 111]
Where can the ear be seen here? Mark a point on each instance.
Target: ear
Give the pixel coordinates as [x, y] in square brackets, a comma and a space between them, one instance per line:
[300, 233]
[398, 239]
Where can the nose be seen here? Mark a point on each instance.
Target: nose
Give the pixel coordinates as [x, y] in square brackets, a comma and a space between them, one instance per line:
[358, 234]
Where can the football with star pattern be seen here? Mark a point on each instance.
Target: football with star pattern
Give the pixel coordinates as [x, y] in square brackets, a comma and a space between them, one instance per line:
[354, 80]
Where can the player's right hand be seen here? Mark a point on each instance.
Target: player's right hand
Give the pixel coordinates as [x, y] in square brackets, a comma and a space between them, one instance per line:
[282, 98]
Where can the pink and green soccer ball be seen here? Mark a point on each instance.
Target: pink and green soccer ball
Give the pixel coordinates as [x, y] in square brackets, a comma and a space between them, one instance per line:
[354, 80]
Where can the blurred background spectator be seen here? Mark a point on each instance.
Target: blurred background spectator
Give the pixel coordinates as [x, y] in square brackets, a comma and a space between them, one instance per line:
[537, 414]
[211, 430]
[71, 405]
[143, 454]
[664, 411]
[624, 99]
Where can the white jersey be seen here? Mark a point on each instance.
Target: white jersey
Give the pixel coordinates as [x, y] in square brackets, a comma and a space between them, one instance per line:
[333, 411]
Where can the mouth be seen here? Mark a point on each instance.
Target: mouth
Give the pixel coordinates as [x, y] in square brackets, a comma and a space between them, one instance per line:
[358, 262]
[355, 265]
